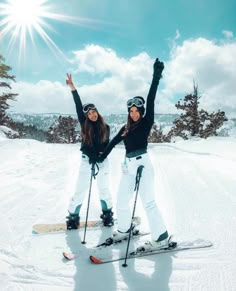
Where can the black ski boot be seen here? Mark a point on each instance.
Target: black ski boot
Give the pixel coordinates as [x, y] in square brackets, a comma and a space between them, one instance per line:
[107, 217]
[73, 221]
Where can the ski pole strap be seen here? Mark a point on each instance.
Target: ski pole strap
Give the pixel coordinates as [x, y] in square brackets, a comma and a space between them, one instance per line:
[138, 176]
[94, 172]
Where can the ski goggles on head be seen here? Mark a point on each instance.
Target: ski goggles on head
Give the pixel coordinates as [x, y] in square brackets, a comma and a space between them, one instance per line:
[88, 106]
[135, 102]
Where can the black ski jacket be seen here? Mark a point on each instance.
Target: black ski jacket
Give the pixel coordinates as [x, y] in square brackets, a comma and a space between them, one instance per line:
[137, 138]
[92, 151]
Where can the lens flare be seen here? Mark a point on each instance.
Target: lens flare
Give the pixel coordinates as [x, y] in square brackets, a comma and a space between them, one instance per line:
[21, 20]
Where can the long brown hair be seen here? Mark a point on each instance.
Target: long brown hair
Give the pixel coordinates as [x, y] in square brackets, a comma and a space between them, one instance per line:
[87, 130]
[130, 125]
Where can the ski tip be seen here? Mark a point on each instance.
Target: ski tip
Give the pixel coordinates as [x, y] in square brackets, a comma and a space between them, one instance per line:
[68, 256]
[95, 260]
[34, 232]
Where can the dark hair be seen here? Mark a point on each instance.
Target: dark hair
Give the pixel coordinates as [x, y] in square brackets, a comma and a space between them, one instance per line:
[87, 130]
[130, 125]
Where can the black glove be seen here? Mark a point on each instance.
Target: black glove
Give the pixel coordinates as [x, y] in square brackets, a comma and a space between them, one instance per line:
[92, 160]
[100, 159]
[158, 68]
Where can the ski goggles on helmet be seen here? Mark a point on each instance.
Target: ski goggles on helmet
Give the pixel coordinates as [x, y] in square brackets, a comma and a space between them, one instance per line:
[88, 106]
[138, 102]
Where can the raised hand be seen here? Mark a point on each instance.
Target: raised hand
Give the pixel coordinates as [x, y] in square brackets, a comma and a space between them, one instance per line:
[69, 82]
[158, 68]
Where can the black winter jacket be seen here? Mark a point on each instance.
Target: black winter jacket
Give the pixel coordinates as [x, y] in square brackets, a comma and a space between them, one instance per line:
[92, 151]
[137, 138]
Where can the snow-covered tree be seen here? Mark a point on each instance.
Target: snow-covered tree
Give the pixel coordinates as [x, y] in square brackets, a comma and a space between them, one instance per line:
[212, 122]
[63, 131]
[157, 136]
[27, 131]
[8, 132]
[195, 121]
[5, 96]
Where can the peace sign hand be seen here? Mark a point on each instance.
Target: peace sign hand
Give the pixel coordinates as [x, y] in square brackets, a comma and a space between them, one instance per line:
[69, 82]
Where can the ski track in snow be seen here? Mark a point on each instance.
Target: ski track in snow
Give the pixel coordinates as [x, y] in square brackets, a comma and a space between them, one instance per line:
[195, 182]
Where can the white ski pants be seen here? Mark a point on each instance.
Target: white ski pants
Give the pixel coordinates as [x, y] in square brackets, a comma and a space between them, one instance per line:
[146, 193]
[83, 182]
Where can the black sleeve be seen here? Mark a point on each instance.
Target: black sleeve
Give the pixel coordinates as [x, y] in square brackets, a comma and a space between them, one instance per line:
[149, 116]
[79, 107]
[116, 139]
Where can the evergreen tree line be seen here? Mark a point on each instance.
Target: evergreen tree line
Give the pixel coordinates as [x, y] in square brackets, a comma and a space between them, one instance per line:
[192, 122]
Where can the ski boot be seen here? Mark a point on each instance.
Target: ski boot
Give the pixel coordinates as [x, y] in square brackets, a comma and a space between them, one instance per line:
[119, 235]
[73, 221]
[161, 243]
[107, 218]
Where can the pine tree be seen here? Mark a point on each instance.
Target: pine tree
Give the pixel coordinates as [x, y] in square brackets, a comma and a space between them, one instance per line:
[5, 97]
[157, 136]
[212, 122]
[196, 122]
[190, 120]
[63, 131]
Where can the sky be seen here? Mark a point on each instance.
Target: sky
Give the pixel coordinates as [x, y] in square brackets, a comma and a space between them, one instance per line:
[109, 47]
[37, 184]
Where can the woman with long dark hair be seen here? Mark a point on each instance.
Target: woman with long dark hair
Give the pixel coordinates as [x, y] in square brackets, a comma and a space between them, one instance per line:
[95, 137]
[135, 137]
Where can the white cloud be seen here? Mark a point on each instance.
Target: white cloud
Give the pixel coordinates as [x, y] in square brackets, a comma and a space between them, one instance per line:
[99, 60]
[211, 65]
[124, 78]
[121, 79]
[228, 34]
[42, 97]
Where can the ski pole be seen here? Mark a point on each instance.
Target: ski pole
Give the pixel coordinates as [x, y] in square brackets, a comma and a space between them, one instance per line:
[93, 174]
[137, 182]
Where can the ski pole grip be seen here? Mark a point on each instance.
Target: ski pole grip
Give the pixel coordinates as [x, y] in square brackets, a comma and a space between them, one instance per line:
[140, 170]
[138, 176]
[93, 169]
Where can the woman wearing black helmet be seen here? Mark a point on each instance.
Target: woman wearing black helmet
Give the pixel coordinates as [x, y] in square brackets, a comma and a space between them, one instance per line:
[135, 137]
[95, 137]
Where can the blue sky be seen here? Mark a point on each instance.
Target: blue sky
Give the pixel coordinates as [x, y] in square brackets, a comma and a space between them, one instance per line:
[110, 46]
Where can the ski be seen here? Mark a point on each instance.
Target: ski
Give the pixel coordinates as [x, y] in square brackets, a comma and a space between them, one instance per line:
[69, 256]
[173, 247]
[47, 228]
[108, 242]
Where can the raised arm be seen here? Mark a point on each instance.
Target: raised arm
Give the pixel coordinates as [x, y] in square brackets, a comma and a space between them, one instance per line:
[158, 67]
[77, 100]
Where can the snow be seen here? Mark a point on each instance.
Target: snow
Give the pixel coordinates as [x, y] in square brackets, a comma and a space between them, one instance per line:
[4, 131]
[195, 189]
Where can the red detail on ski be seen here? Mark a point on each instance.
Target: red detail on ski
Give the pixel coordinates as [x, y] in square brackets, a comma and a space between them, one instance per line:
[68, 256]
[95, 260]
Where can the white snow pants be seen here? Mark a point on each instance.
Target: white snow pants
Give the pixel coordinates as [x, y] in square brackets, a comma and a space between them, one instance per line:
[83, 181]
[146, 193]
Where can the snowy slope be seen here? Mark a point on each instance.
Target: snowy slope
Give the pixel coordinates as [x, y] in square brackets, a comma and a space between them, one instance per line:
[195, 183]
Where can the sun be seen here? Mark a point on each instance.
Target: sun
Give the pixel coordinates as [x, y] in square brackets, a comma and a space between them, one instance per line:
[24, 13]
[21, 20]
